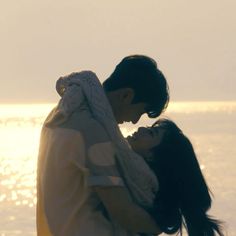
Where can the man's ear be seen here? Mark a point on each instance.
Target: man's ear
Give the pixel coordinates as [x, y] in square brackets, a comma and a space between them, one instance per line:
[127, 95]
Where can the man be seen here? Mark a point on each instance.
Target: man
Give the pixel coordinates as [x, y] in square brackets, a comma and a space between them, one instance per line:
[79, 188]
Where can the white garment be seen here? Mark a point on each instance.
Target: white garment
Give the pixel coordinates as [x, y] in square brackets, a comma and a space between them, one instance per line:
[140, 179]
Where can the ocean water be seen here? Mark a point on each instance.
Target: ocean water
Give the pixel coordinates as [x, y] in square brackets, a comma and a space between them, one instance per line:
[209, 125]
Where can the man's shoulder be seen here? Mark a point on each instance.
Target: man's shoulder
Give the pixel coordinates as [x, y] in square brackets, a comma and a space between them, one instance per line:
[85, 124]
[91, 129]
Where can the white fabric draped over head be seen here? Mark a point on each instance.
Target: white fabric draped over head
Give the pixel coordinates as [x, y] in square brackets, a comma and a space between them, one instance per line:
[77, 87]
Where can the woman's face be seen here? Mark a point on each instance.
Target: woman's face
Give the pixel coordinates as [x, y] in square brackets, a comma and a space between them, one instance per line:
[145, 139]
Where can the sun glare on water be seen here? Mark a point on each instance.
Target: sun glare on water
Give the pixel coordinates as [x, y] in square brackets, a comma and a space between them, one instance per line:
[20, 127]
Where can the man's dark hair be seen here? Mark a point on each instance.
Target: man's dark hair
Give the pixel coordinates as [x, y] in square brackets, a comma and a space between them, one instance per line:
[140, 73]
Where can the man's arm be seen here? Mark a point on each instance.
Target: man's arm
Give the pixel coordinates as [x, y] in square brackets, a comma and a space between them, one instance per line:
[125, 212]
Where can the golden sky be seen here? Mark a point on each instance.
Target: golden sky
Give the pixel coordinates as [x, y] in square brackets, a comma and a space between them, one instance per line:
[192, 41]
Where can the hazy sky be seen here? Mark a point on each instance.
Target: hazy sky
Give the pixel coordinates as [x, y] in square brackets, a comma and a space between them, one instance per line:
[193, 41]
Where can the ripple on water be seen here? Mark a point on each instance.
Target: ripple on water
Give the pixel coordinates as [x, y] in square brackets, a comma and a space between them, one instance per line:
[19, 134]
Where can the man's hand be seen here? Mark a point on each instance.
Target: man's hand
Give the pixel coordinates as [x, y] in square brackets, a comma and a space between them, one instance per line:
[125, 212]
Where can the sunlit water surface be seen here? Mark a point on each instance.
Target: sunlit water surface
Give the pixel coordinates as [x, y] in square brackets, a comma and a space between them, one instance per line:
[210, 126]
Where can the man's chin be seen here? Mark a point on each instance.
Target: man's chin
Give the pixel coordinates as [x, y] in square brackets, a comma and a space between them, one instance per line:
[122, 121]
[119, 121]
[129, 139]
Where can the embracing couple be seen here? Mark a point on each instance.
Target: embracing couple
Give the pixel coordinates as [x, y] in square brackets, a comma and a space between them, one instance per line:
[91, 181]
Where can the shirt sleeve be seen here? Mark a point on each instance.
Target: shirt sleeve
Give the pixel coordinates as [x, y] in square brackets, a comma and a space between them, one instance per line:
[102, 166]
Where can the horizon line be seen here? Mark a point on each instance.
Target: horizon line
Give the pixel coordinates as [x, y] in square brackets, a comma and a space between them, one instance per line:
[175, 101]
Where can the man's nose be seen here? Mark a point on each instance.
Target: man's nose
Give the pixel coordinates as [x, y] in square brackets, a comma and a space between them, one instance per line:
[136, 119]
[134, 122]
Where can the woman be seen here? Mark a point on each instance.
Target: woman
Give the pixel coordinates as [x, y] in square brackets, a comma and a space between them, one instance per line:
[169, 183]
[183, 197]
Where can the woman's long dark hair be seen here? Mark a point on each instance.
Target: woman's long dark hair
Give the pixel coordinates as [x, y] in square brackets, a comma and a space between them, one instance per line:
[183, 198]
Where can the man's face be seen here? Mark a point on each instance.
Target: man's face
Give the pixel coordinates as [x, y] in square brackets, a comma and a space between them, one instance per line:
[123, 108]
[131, 112]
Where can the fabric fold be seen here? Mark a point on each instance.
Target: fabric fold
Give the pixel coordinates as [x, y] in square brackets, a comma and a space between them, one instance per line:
[85, 86]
